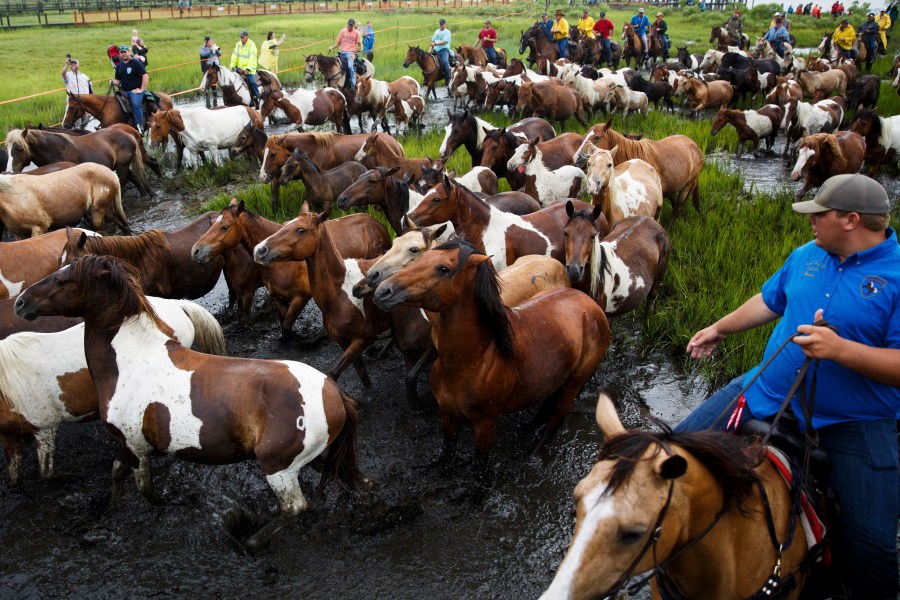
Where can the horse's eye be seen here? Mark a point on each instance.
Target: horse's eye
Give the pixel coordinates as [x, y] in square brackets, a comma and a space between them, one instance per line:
[224, 228]
[414, 250]
[373, 181]
[57, 281]
[436, 199]
[301, 230]
[608, 165]
[630, 536]
[444, 270]
[565, 233]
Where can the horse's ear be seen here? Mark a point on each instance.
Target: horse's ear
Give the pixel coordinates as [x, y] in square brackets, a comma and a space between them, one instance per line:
[452, 174]
[323, 216]
[608, 124]
[392, 171]
[234, 202]
[439, 231]
[613, 150]
[304, 208]
[82, 240]
[570, 208]
[598, 212]
[69, 233]
[241, 207]
[673, 467]
[446, 181]
[606, 417]
[488, 131]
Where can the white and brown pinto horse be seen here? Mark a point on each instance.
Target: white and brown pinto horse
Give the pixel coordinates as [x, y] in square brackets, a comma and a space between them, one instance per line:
[689, 507]
[623, 190]
[306, 108]
[825, 155]
[377, 92]
[882, 137]
[37, 394]
[541, 183]
[751, 125]
[34, 204]
[201, 408]
[202, 130]
[802, 119]
[625, 268]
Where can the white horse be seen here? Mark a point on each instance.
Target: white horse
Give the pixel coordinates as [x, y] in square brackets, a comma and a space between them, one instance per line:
[541, 183]
[632, 188]
[202, 130]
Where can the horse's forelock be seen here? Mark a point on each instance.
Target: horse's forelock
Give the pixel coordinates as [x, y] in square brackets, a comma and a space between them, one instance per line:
[117, 279]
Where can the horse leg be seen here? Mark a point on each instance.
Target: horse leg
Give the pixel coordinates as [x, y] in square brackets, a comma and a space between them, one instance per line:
[351, 354]
[557, 407]
[291, 502]
[484, 441]
[293, 310]
[14, 449]
[144, 480]
[45, 443]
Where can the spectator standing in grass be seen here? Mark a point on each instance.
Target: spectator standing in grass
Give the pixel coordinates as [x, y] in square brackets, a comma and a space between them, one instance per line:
[209, 55]
[139, 51]
[268, 52]
[368, 40]
[77, 83]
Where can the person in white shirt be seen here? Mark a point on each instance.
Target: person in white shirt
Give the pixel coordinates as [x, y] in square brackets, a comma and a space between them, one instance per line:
[76, 83]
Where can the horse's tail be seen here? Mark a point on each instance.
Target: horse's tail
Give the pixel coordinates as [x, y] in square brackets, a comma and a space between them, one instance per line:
[341, 461]
[208, 336]
[147, 159]
[137, 163]
[118, 210]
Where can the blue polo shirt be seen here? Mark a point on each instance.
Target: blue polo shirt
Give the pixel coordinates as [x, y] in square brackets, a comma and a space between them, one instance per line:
[441, 36]
[861, 296]
[641, 24]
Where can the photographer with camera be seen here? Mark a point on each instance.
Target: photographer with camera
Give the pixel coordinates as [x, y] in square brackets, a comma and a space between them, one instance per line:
[76, 83]
[209, 55]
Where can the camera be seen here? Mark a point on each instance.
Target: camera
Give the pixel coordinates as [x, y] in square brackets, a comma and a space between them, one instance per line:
[68, 57]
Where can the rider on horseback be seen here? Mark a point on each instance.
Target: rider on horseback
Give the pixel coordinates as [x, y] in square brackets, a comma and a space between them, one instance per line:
[604, 28]
[777, 36]
[350, 42]
[641, 24]
[243, 60]
[660, 28]
[440, 43]
[870, 31]
[843, 38]
[735, 28]
[132, 78]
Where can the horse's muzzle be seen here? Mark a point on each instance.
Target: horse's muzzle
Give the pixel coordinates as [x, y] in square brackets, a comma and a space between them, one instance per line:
[575, 272]
[387, 297]
[23, 311]
[200, 254]
[406, 64]
[343, 202]
[262, 256]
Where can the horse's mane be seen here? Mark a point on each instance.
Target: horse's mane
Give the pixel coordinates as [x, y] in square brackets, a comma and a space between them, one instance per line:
[493, 314]
[873, 117]
[119, 281]
[628, 148]
[324, 139]
[722, 453]
[37, 136]
[149, 248]
[17, 138]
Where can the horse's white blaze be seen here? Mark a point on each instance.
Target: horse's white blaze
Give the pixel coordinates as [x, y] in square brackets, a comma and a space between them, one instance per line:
[598, 507]
[896, 82]
[9, 159]
[804, 156]
[495, 235]
[13, 288]
[761, 125]
[360, 154]
[441, 150]
[262, 167]
[352, 275]
[618, 280]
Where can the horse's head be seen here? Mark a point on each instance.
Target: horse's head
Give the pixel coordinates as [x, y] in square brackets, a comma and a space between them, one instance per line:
[515, 67]
[165, 123]
[524, 155]
[581, 231]
[369, 188]
[438, 206]
[405, 250]
[432, 176]
[212, 76]
[459, 74]
[274, 157]
[292, 166]
[722, 118]
[297, 239]
[224, 232]
[18, 146]
[714, 34]
[456, 133]
[412, 55]
[369, 148]
[75, 247]
[491, 151]
[74, 110]
[526, 38]
[311, 64]
[809, 152]
[363, 86]
[866, 122]
[600, 170]
[244, 141]
[524, 99]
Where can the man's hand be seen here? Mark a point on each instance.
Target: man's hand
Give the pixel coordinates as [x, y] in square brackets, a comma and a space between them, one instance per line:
[704, 342]
[819, 342]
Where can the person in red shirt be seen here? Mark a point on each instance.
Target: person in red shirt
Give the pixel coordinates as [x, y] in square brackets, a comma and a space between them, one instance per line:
[603, 29]
[487, 37]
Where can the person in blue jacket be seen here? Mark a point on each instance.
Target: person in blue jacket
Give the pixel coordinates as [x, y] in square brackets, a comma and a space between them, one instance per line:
[641, 25]
[546, 25]
[777, 35]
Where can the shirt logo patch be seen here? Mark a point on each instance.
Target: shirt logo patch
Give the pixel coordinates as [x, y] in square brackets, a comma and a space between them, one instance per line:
[812, 267]
[128, 70]
[871, 286]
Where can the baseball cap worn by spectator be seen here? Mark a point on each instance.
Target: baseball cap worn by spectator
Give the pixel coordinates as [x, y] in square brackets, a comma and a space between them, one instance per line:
[602, 13]
[244, 34]
[871, 14]
[442, 22]
[849, 193]
[351, 22]
[124, 48]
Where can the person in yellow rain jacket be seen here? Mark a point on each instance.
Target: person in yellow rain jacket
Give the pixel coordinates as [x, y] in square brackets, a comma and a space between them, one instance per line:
[268, 52]
[560, 31]
[884, 23]
[586, 25]
[243, 59]
[843, 38]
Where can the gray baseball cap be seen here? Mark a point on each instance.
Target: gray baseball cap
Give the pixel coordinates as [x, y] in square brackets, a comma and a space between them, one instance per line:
[850, 193]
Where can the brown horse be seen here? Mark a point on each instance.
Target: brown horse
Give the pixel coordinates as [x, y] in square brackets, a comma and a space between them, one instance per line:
[322, 187]
[26, 261]
[465, 129]
[721, 36]
[114, 148]
[751, 126]
[551, 101]
[692, 508]
[701, 94]
[499, 145]
[380, 188]
[431, 70]
[676, 158]
[634, 47]
[622, 269]
[376, 153]
[331, 70]
[326, 150]
[10, 323]
[107, 109]
[376, 93]
[250, 140]
[509, 372]
[357, 236]
[202, 408]
[535, 41]
[882, 137]
[824, 155]
[307, 108]
[32, 205]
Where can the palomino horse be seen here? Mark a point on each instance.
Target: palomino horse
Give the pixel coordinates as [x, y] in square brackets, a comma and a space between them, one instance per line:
[504, 236]
[627, 189]
[331, 70]
[202, 130]
[692, 508]
[820, 85]
[510, 372]
[634, 47]
[624, 268]
[723, 38]
[322, 187]
[353, 324]
[545, 185]
[376, 153]
[676, 158]
[106, 109]
[882, 137]
[32, 205]
[825, 155]
[114, 148]
[203, 408]
[37, 394]
[26, 261]
[535, 41]
[307, 108]
[431, 70]
[751, 125]
[327, 150]
[356, 236]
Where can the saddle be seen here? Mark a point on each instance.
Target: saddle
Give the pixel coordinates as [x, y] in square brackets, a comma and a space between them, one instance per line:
[788, 438]
[150, 103]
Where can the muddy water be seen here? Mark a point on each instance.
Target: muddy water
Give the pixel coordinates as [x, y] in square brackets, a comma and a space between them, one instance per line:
[420, 533]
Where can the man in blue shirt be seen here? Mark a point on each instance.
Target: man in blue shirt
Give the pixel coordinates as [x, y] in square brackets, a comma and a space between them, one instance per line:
[440, 43]
[131, 77]
[641, 24]
[777, 35]
[547, 26]
[849, 275]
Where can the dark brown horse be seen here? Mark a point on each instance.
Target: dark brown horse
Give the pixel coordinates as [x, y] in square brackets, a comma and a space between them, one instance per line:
[357, 236]
[251, 140]
[535, 41]
[879, 147]
[465, 129]
[431, 70]
[107, 109]
[719, 35]
[322, 187]
[634, 47]
[509, 372]
[283, 414]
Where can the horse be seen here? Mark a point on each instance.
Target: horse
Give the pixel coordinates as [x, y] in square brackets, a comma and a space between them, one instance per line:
[824, 155]
[114, 148]
[504, 236]
[802, 119]
[763, 49]
[204, 408]
[376, 153]
[376, 92]
[820, 65]
[819, 86]
[555, 102]
[882, 137]
[694, 509]
[431, 70]
[322, 187]
[107, 110]
[332, 71]
[624, 268]
[545, 185]
[25, 262]
[705, 95]
[202, 130]
[751, 125]
[480, 180]
[250, 139]
[628, 189]
[32, 205]
[723, 38]
[676, 158]
[380, 188]
[357, 236]
[235, 91]
[326, 150]
[409, 112]
[634, 47]
[535, 40]
[37, 395]
[499, 145]
[510, 372]
[306, 108]
[465, 129]
[864, 92]
[691, 61]
[785, 91]
[10, 324]
[628, 100]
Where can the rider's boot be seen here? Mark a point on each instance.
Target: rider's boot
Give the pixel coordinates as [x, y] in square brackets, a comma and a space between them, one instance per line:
[215, 98]
[208, 103]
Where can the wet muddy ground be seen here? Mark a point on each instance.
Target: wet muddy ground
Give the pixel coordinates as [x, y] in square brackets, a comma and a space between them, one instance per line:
[420, 533]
